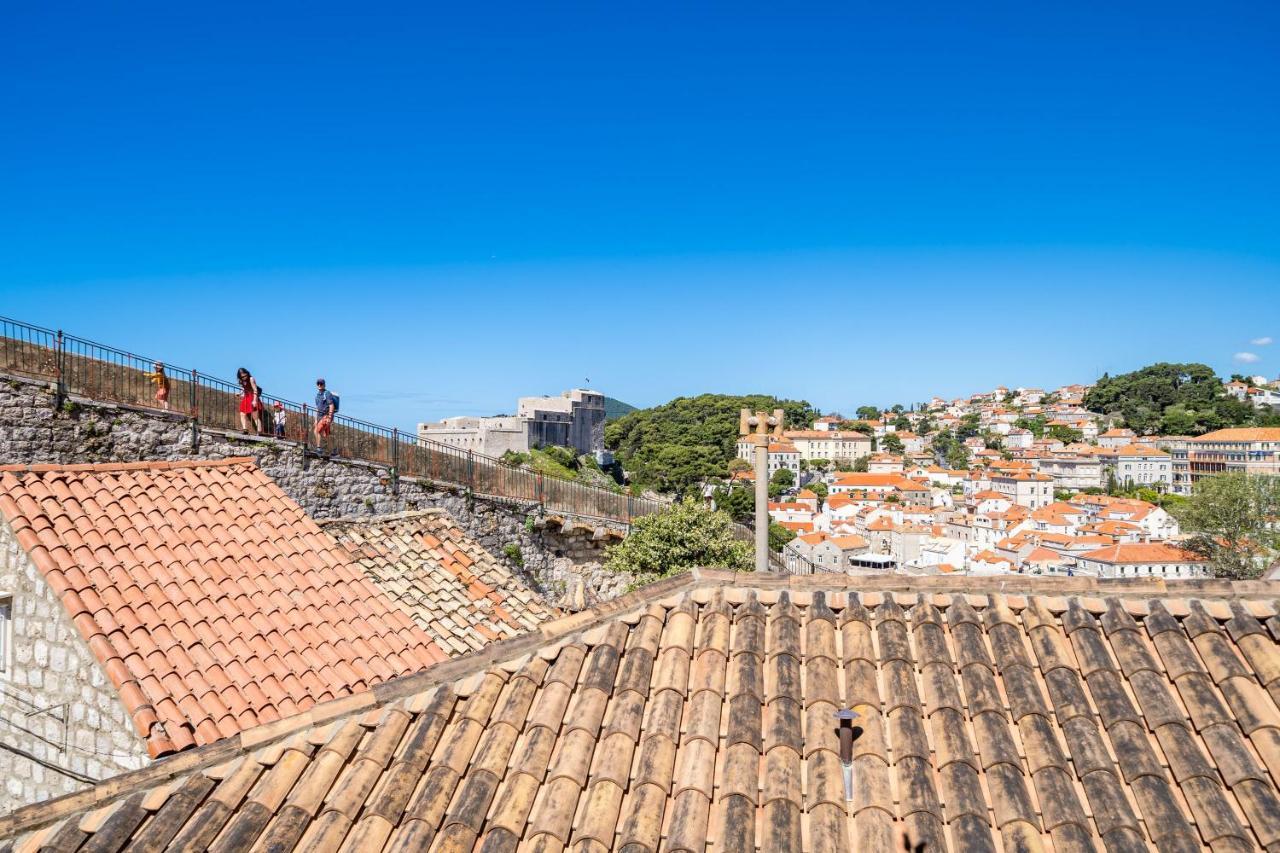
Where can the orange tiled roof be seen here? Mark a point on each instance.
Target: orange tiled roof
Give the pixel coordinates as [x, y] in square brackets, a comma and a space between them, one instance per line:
[208, 596]
[458, 592]
[1143, 552]
[700, 714]
[1139, 450]
[1242, 434]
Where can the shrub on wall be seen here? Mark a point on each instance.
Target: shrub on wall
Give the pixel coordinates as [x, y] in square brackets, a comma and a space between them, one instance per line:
[670, 542]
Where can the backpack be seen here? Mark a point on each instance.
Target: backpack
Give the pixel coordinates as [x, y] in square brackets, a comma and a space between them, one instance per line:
[334, 399]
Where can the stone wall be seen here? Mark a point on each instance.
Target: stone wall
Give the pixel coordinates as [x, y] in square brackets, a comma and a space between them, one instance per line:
[33, 430]
[90, 737]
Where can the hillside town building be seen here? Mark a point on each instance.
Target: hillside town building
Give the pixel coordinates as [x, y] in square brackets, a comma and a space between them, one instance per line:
[1251, 450]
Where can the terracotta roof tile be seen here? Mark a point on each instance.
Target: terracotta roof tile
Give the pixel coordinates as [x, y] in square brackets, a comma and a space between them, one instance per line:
[157, 614]
[451, 587]
[703, 713]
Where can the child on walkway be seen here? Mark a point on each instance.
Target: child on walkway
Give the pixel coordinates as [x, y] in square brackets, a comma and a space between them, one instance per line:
[250, 402]
[281, 415]
[161, 380]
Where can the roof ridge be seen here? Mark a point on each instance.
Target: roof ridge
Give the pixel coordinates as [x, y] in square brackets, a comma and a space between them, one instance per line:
[156, 465]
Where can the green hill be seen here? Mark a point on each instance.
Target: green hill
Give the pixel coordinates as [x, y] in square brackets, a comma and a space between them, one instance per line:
[678, 444]
[614, 409]
[1172, 399]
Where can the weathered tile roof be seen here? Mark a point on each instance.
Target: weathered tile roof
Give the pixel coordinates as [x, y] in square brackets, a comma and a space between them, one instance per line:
[458, 592]
[701, 711]
[211, 600]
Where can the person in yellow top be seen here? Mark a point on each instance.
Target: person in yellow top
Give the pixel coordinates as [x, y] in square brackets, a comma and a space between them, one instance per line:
[161, 380]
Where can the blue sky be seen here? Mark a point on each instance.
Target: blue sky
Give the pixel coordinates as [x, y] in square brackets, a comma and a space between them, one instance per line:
[442, 209]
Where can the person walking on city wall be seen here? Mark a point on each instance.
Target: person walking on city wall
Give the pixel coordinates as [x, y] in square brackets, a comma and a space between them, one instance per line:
[281, 416]
[326, 408]
[250, 401]
[161, 380]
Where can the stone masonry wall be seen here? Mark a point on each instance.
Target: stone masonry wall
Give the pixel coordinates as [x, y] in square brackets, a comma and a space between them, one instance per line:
[564, 564]
[48, 754]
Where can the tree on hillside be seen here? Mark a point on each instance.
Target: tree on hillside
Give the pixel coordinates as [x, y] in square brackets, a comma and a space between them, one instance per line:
[1036, 425]
[696, 435]
[861, 465]
[868, 413]
[782, 480]
[1233, 518]
[1143, 397]
[857, 426]
[679, 538]
[891, 443]
[901, 423]
[1064, 433]
[739, 464]
[968, 427]
[819, 488]
[779, 536]
[958, 457]
[738, 501]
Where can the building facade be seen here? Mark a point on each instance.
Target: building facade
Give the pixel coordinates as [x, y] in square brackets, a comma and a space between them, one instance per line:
[1252, 450]
[1141, 465]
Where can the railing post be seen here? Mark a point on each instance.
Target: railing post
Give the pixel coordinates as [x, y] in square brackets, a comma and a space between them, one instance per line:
[395, 461]
[60, 388]
[471, 472]
[541, 497]
[306, 432]
[195, 410]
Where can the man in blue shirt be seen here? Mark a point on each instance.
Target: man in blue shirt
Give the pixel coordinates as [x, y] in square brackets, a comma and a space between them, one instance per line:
[325, 409]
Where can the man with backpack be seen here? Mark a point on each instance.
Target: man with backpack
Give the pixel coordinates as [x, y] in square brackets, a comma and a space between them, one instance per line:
[326, 408]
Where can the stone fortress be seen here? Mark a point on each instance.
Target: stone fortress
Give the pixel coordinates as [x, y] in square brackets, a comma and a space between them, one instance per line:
[574, 419]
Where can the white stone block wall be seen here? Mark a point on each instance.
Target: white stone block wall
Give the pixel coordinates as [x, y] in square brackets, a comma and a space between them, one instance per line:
[90, 737]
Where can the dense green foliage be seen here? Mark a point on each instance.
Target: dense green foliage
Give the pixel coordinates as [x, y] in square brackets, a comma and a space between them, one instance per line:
[739, 501]
[690, 439]
[686, 535]
[891, 443]
[868, 413]
[1173, 399]
[1064, 433]
[1233, 519]
[564, 463]
[782, 480]
[779, 536]
[614, 409]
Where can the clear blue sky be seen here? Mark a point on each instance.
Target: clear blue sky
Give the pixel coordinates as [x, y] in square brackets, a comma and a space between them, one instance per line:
[444, 208]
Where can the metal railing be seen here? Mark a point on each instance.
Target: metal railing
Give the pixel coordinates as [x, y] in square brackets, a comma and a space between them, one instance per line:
[102, 373]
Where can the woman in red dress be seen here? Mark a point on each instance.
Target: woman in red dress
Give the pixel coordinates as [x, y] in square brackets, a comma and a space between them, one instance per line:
[250, 401]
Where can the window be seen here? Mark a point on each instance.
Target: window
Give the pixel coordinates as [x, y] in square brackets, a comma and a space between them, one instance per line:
[6, 632]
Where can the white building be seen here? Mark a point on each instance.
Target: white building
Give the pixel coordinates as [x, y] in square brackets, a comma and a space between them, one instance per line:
[828, 444]
[1019, 439]
[1143, 465]
[1116, 437]
[1032, 490]
[1143, 559]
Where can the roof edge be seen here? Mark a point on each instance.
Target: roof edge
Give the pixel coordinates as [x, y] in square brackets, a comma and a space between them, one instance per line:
[47, 467]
